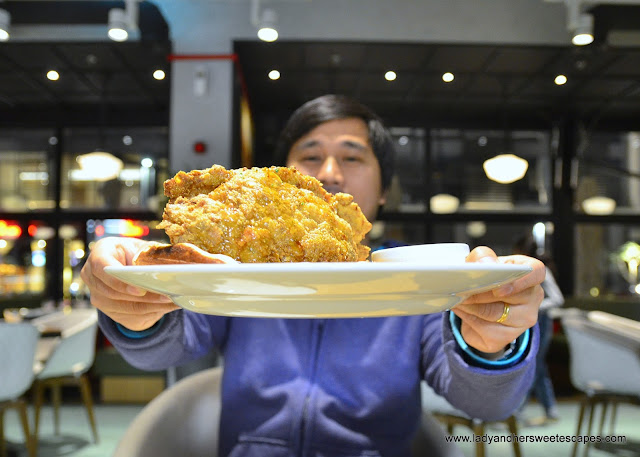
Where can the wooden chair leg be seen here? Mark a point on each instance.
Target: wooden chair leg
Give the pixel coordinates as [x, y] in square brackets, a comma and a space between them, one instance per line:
[30, 441]
[592, 410]
[3, 444]
[38, 388]
[583, 406]
[603, 415]
[478, 430]
[85, 390]
[56, 400]
[512, 424]
[612, 420]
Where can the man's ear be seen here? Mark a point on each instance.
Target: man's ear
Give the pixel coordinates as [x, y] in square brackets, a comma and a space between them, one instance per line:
[383, 198]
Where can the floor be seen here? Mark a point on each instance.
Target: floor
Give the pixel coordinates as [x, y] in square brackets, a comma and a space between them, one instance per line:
[75, 437]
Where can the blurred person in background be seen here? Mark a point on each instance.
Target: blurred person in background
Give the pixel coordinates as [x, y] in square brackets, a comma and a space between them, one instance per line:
[542, 387]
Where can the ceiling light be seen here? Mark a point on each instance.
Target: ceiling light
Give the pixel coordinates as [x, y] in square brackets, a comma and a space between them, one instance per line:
[100, 166]
[448, 77]
[560, 80]
[390, 75]
[476, 229]
[159, 75]
[118, 25]
[505, 168]
[599, 206]
[444, 204]
[267, 26]
[123, 21]
[5, 23]
[583, 30]
[274, 74]
[53, 75]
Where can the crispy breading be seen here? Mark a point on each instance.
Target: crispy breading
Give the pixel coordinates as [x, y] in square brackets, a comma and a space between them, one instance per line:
[271, 214]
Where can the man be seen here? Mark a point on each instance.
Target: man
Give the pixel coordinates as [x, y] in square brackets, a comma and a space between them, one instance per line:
[334, 387]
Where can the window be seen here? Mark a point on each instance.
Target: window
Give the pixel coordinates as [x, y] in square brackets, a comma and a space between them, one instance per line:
[26, 170]
[609, 174]
[456, 169]
[143, 152]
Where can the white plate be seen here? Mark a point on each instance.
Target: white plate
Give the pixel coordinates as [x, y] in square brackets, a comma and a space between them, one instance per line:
[318, 290]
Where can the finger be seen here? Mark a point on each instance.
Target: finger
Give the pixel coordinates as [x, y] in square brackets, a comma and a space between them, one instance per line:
[136, 323]
[535, 277]
[100, 262]
[98, 286]
[518, 316]
[533, 294]
[532, 279]
[129, 307]
[116, 252]
[485, 336]
[482, 254]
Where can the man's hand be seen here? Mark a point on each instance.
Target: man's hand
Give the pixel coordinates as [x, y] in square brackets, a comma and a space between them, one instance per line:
[130, 306]
[480, 313]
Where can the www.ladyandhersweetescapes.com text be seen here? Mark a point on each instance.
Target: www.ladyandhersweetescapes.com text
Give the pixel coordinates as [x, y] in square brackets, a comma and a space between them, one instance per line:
[555, 438]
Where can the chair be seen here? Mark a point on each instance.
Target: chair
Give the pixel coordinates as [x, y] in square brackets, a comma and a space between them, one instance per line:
[17, 350]
[71, 356]
[184, 419]
[450, 416]
[604, 354]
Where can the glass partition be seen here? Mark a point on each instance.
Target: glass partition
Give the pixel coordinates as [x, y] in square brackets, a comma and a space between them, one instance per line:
[499, 236]
[608, 171]
[461, 182]
[26, 170]
[607, 260]
[24, 253]
[139, 156]
[407, 192]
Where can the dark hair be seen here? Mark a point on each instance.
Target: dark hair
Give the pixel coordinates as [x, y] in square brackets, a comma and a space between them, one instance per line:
[332, 107]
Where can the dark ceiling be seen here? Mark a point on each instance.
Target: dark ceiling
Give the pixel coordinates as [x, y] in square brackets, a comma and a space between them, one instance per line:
[100, 81]
[493, 83]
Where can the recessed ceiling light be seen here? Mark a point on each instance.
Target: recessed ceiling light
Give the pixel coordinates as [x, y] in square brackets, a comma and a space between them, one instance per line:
[159, 75]
[390, 75]
[560, 80]
[267, 26]
[5, 23]
[448, 77]
[118, 24]
[583, 30]
[53, 75]
[274, 74]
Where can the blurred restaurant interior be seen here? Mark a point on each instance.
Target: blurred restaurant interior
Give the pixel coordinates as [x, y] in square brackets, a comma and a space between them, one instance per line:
[91, 127]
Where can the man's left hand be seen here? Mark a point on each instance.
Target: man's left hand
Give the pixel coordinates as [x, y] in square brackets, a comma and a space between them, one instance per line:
[492, 320]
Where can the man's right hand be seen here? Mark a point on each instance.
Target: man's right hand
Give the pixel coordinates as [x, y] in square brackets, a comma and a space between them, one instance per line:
[134, 308]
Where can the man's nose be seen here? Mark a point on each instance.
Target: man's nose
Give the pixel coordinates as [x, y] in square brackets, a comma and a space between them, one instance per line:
[330, 173]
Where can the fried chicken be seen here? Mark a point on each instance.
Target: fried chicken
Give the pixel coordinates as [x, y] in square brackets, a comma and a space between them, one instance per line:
[271, 214]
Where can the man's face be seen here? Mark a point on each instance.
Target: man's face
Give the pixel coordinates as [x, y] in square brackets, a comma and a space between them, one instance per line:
[339, 155]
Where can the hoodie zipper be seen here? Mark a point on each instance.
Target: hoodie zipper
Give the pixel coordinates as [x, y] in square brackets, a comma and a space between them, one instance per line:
[318, 333]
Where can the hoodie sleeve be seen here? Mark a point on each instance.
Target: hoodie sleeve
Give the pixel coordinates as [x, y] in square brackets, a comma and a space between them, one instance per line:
[482, 392]
[180, 337]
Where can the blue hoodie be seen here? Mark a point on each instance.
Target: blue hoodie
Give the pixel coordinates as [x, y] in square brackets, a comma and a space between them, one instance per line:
[329, 387]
